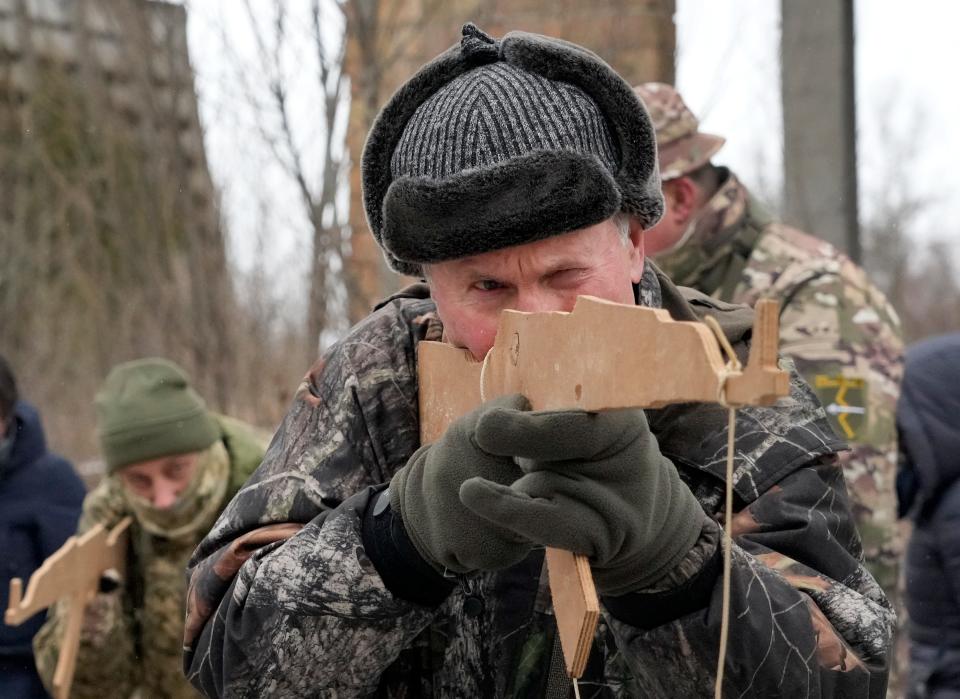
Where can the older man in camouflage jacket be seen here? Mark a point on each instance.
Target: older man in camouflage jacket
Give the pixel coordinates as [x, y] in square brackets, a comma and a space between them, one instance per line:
[839, 329]
[520, 174]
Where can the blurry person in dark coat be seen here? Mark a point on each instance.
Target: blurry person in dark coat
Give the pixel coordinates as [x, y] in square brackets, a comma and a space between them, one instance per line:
[40, 499]
[928, 488]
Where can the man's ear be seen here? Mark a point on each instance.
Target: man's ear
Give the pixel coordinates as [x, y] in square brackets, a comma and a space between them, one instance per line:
[682, 193]
[635, 241]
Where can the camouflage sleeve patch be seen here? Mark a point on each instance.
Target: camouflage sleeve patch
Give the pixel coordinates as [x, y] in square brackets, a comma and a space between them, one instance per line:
[844, 398]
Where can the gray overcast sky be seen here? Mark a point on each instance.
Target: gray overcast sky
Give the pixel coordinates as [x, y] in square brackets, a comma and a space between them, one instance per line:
[906, 54]
[727, 70]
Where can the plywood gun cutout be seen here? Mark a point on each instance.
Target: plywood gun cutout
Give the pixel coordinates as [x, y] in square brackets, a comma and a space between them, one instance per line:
[600, 356]
[72, 573]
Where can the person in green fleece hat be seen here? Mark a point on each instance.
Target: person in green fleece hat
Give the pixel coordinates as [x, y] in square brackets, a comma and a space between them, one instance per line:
[173, 465]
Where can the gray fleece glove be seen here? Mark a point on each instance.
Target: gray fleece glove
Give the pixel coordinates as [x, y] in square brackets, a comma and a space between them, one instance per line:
[426, 493]
[596, 484]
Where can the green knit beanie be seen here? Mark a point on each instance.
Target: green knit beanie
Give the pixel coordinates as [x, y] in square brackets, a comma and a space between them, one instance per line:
[146, 409]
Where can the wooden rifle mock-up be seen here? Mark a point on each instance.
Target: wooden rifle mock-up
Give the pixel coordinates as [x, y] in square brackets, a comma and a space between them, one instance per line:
[71, 573]
[601, 356]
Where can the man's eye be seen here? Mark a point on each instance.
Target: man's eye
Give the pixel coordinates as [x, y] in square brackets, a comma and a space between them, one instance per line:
[568, 276]
[488, 285]
[138, 482]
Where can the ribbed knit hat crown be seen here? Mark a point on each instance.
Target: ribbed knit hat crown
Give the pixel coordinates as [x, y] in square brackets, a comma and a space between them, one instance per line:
[146, 409]
[502, 143]
[497, 112]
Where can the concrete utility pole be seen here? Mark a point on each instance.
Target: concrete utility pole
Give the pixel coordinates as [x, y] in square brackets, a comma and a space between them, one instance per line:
[819, 120]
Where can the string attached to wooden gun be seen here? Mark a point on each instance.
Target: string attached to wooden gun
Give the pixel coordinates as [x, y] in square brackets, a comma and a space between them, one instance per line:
[733, 366]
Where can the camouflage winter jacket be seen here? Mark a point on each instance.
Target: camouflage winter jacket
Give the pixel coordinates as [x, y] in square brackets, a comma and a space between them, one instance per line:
[284, 601]
[131, 643]
[838, 328]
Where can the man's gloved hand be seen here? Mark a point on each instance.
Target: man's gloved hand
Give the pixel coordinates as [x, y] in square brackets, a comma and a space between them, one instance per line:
[426, 493]
[596, 484]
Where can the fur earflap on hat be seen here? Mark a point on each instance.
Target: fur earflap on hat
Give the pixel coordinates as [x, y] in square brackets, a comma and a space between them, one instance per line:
[500, 143]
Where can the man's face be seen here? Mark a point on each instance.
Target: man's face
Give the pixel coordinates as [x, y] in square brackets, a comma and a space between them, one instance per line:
[161, 480]
[679, 209]
[546, 275]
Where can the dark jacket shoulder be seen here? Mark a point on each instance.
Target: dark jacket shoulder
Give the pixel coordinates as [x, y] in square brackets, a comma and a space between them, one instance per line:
[41, 474]
[40, 501]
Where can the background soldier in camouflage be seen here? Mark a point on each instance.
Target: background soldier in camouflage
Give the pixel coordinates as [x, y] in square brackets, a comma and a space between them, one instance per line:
[355, 562]
[839, 329]
[173, 466]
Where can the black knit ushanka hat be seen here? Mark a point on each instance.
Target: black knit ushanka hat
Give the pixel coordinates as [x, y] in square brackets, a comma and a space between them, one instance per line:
[500, 143]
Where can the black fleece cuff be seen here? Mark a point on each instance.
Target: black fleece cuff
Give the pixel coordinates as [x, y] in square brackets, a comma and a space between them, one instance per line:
[648, 610]
[400, 566]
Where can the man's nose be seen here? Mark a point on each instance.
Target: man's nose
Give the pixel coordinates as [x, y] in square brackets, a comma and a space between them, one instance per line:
[164, 494]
